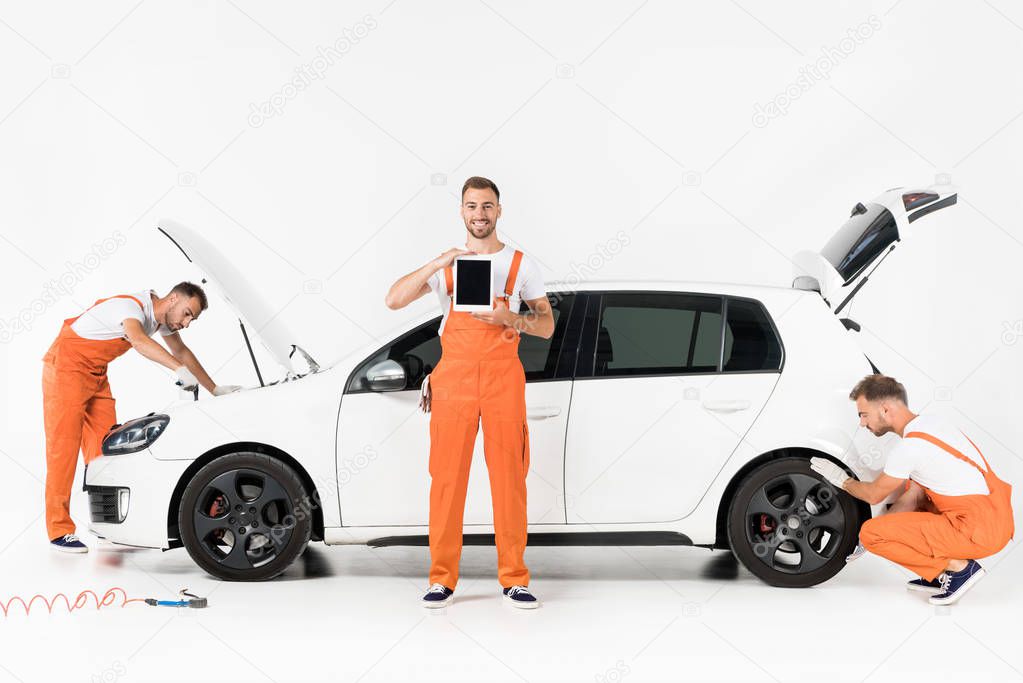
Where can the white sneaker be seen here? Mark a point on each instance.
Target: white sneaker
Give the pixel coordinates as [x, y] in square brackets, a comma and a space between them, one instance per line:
[69, 543]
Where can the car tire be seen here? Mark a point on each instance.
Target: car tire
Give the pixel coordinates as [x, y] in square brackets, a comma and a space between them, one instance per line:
[789, 526]
[245, 517]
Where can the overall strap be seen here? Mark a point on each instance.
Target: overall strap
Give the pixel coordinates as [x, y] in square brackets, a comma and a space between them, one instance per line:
[978, 452]
[509, 284]
[945, 447]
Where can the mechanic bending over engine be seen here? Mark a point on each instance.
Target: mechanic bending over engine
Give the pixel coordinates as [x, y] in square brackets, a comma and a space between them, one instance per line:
[479, 376]
[962, 511]
[78, 408]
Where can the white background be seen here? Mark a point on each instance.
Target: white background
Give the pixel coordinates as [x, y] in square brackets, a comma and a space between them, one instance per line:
[593, 118]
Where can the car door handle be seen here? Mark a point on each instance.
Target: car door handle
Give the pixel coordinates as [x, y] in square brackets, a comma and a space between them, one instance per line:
[732, 406]
[542, 412]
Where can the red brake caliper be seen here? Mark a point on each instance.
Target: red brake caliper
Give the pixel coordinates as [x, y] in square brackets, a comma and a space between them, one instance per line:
[766, 524]
[217, 509]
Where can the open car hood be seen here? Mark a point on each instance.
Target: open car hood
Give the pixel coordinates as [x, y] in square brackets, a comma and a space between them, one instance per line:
[872, 231]
[256, 316]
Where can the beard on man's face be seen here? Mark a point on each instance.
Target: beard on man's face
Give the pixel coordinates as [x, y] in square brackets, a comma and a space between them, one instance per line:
[481, 232]
[881, 430]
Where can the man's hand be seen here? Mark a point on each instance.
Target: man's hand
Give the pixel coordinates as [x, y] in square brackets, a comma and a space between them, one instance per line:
[186, 358]
[829, 470]
[223, 389]
[410, 287]
[449, 256]
[499, 316]
[185, 379]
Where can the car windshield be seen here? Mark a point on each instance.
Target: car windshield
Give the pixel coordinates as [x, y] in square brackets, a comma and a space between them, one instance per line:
[860, 240]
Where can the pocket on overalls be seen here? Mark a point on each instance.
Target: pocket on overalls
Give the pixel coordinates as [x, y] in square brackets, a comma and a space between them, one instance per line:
[985, 531]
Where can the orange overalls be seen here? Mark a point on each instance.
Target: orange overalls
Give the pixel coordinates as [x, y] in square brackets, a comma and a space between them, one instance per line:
[479, 375]
[964, 528]
[78, 411]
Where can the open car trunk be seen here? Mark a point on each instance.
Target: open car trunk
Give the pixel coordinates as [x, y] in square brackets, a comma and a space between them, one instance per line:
[841, 268]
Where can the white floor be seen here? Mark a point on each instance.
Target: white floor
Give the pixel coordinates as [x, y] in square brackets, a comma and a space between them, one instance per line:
[609, 614]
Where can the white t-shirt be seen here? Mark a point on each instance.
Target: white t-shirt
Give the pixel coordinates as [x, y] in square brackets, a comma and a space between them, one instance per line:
[528, 283]
[934, 467]
[106, 320]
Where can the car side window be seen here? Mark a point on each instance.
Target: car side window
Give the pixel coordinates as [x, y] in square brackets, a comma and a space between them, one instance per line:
[657, 333]
[751, 342]
[417, 352]
[539, 356]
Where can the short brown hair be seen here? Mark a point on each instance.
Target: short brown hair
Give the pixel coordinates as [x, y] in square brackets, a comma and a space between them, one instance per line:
[480, 183]
[189, 290]
[877, 387]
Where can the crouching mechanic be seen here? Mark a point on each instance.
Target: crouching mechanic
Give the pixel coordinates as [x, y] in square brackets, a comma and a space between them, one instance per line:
[78, 408]
[962, 510]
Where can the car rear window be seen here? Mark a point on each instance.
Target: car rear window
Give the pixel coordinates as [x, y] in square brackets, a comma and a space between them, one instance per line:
[860, 240]
[750, 340]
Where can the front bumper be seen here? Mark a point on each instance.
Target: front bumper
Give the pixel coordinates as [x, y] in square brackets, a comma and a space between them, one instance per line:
[138, 517]
[108, 504]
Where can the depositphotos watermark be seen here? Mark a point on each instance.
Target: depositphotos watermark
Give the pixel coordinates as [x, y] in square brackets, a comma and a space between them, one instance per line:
[600, 257]
[74, 274]
[316, 69]
[817, 70]
[114, 671]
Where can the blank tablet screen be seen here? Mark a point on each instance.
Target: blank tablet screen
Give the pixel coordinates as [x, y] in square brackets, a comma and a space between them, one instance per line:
[473, 283]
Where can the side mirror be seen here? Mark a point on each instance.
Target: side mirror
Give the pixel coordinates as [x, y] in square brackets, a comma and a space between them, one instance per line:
[387, 375]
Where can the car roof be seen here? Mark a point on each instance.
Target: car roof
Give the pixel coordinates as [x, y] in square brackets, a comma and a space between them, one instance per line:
[732, 288]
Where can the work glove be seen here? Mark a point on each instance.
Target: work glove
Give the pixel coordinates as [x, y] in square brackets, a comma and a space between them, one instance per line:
[829, 470]
[185, 379]
[223, 389]
[425, 394]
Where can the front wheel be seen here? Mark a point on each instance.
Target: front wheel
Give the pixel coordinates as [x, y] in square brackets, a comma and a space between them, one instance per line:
[789, 526]
[244, 517]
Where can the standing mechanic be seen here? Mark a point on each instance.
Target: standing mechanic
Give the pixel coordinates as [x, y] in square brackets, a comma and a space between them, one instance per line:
[78, 408]
[479, 375]
[963, 511]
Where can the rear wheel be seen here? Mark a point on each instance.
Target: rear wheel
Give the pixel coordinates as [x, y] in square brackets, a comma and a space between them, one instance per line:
[789, 526]
[244, 517]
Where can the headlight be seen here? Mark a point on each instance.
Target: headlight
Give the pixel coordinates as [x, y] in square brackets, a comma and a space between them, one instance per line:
[135, 435]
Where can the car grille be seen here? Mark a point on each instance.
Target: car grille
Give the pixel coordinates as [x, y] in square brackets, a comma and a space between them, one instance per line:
[103, 504]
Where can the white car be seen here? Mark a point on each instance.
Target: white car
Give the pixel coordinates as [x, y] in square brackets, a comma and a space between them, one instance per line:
[660, 413]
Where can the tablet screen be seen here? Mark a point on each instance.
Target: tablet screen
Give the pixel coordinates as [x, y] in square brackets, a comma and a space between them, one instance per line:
[473, 282]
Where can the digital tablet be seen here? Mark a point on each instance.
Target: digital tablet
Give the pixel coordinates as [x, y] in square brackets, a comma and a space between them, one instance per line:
[474, 284]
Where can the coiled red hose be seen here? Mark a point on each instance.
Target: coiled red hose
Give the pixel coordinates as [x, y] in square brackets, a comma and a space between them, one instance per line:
[79, 602]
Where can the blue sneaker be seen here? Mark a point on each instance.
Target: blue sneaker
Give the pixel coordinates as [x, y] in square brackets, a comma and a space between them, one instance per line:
[520, 597]
[438, 596]
[924, 586]
[69, 543]
[955, 584]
